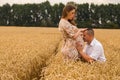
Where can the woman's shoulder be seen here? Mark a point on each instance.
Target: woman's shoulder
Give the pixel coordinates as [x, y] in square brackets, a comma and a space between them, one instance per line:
[63, 21]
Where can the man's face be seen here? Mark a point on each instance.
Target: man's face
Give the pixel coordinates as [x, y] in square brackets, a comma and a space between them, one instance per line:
[86, 37]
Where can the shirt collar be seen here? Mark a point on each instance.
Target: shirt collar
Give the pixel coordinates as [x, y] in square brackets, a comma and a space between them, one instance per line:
[92, 42]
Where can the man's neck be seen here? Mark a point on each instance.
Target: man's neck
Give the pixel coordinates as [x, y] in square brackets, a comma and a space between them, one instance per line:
[89, 42]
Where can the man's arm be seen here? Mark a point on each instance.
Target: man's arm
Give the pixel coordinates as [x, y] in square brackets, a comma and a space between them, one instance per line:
[84, 55]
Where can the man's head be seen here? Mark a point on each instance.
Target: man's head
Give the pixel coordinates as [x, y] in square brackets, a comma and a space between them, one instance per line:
[88, 35]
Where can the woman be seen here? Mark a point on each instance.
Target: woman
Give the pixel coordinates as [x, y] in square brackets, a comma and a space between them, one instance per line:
[71, 34]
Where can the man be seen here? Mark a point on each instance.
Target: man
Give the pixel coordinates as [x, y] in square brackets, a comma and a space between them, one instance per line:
[93, 51]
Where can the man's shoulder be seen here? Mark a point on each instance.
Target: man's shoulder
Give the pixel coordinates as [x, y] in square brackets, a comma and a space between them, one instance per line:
[97, 44]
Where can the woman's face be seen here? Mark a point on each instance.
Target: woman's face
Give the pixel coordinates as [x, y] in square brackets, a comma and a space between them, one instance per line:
[71, 14]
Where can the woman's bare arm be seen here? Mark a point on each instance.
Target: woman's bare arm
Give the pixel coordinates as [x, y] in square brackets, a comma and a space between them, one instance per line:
[79, 32]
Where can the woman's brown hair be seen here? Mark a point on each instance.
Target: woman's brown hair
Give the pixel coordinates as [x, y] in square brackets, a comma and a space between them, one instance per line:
[67, 9]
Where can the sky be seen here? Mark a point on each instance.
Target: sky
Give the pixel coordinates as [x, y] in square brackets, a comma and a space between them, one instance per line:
[52, 2]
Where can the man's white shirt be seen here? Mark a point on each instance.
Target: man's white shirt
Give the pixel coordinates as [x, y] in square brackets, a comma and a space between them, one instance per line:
[95, 50]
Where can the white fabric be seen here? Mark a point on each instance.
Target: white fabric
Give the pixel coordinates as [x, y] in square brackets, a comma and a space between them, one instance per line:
[95, 50]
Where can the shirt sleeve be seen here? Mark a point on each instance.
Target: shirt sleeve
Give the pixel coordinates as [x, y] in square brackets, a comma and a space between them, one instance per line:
[96, 52]
[69, 29]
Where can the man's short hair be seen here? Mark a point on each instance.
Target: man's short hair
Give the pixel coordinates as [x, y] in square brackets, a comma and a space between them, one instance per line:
[90, 31]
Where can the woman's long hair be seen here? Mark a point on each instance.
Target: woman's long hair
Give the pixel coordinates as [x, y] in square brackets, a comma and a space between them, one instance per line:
[66, 10]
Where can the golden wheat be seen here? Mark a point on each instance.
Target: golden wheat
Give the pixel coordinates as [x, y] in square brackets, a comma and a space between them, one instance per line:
[23, 51]
[34, 54]
[110, 70]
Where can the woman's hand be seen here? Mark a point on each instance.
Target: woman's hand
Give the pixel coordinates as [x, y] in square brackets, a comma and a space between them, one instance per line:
[78, 33]
[83, 30]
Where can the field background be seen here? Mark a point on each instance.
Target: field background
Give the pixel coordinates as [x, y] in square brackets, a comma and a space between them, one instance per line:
[34, 54]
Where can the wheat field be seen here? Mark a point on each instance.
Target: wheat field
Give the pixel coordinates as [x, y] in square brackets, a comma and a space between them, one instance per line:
[34, 54]
[24, 51]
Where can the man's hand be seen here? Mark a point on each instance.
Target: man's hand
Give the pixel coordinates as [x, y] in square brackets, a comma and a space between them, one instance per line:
[84, 56]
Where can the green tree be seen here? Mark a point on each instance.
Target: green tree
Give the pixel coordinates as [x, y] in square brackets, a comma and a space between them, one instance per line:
[83, 15]
[43, 14]
[5, 12]
[56, 13]
[17, 13]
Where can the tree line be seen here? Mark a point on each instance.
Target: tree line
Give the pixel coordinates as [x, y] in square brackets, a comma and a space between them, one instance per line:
[45, 14]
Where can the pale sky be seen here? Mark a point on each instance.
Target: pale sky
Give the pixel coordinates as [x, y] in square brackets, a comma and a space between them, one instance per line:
[52, 2]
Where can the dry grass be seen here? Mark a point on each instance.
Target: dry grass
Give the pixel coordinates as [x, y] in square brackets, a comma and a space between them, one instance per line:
[25, 51]
[58, 70]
